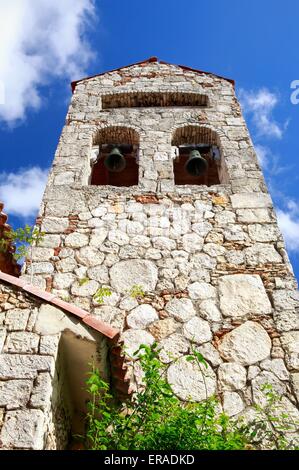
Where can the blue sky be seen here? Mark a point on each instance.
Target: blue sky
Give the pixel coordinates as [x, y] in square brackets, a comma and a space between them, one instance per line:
[44, 44]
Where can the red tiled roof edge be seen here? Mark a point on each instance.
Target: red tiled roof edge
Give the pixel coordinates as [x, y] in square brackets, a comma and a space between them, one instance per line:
[151, 59]
[85, 317]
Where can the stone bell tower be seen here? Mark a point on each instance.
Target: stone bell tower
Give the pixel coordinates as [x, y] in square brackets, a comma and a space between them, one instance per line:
[155, 187]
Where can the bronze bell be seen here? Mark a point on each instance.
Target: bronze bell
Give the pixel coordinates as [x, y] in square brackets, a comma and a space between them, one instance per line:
[196, 165]
[115, 161]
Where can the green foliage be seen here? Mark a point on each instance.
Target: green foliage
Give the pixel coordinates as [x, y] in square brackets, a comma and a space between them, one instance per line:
[23, 238]
[155, 419]
[101, 293]
[136, 291]
[83, 281]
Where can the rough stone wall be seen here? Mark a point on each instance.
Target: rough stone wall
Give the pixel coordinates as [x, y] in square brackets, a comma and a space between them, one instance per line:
[35, 403]
[211, 259]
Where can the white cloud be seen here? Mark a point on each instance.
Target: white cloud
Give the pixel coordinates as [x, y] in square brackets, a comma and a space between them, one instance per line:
[288, 221]
[22, 192]
[41, 40]
[260, 105]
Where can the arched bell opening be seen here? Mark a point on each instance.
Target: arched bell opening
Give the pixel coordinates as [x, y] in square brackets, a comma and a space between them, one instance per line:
[117, 154]
[198, 156]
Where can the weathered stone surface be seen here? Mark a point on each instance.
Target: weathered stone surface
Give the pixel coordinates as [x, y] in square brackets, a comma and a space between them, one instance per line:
[247, 344]
[86, 289]
[231, 376]
[286, 320]
[2, 337]
[17, 366]
[263, 233]
[164, 243]
[285, 299]
[266, 378]
[16, 319]
[290, 343]
[243, 294]
[133, 340]
[252, 216]
[181, 309]
[277, 367]
[201, 291]
[250, 200]
[98, 237]
[23, 429]
[41, 268]
[119, 237]
[89, 256]
[111, 315]
[15, 393]
[126, 274]
[295, 383]
[49, 345]
[173, 347]
[187, 381]
[260, 253]
[22, 342]
[197, 330]
[76, 240]
[63, 280]
[42, 391]
[232, 403]
[209, 311]
[99, 273]
[128, 303]
[142, 316]
[210, 354]
[163, 328]
[192, 242]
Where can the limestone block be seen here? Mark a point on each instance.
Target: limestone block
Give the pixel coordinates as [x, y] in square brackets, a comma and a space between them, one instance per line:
[52, 320]
[225, 217]
[15, 393]
[42, 254]
[266, 378]
[235, 257]
[250, 200]
[133, 339]
[55, 225]
[22, 342]
[202, 228]
[201, 291]
[210, 354]
[290, 343]
[192, 242]
[164, 243]
[243, 294]
[16, 319]
[285, 299]
[111, 315]
[231, 376]
[118, 237]
[89, 256]
[98, 237]
[234, 232]
[173, 347]
[260, 253]
[181, 309]
[50, 241]
[263, 233]
[76, 240]
[128, 303]
[63, 280]
[277, 367]
[2, 338]
[295, 383]
[232, 403]
[163, 328]
[253, 371]
[87, 289]
[126, 274]
[17, 366]
[286, 320]
[40, 268]
[214, 249]
[49, 345]
[66, 265]
[247, 344]
[197, 330]
[23, 429]
[251, 216]
[142, 316]
[141, 240]
[42, 391]
[187, 381]
[99, 273]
